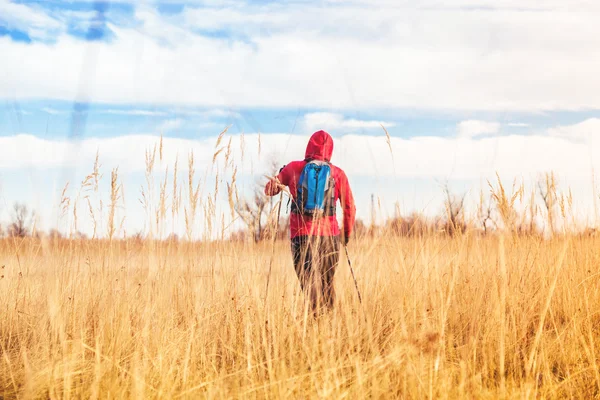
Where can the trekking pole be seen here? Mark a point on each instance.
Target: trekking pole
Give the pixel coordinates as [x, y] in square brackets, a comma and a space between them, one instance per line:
[353, 277]
[273, 249]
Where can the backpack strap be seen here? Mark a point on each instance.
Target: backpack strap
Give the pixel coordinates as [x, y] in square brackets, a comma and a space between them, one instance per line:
[295, 209]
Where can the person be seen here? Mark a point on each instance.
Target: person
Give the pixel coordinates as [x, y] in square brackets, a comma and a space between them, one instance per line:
[315, 239]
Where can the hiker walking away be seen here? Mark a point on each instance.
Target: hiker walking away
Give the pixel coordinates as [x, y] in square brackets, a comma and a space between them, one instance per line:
[316, 185]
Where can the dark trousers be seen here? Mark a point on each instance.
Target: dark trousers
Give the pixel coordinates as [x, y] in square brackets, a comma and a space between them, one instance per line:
[315, 261]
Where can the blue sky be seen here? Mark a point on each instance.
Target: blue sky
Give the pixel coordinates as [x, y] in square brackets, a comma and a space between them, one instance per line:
[52, 118]
[175, 27]
[449, 83]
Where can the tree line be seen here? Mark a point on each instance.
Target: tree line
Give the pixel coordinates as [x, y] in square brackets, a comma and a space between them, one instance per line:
[497, 211]
[543, 211]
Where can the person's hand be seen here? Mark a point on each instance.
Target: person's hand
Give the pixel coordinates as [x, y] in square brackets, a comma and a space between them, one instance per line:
[273, 187]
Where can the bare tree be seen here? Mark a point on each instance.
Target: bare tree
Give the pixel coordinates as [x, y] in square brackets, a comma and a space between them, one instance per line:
[252, 212]
[55, 234]
[257, 211]
[138, 237]
[484, 213]
[22, 221]
[413, 225]
[454, 212]
[80, 236]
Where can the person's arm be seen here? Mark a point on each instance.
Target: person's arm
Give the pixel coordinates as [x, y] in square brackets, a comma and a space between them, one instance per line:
[348, 206]
[276, 184]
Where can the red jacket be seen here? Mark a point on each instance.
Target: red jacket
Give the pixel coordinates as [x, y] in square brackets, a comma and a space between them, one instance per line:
[320, 147]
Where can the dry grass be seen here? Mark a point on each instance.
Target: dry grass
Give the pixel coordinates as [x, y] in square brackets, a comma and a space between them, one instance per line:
[468, 316]
[441, 318]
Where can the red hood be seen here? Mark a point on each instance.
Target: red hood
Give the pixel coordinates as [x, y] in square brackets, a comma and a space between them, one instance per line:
[320, 147]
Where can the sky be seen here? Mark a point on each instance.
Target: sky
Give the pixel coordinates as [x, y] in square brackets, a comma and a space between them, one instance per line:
[465, 88]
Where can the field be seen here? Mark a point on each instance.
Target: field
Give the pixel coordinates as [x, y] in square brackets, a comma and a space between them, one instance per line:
[467, 316]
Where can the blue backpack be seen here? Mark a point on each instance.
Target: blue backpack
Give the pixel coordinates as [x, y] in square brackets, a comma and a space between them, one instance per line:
[316, 190]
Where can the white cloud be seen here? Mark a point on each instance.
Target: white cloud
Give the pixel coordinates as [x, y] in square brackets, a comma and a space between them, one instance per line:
[51, 111]
[474, 128]
[145, 113]
[425, 157]
[518, 125]
[219, 113]
[326, 120]
[585, 130]
[214, 113]
[459, 56]
[169, 125]
[32, 20]
[574, 5]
